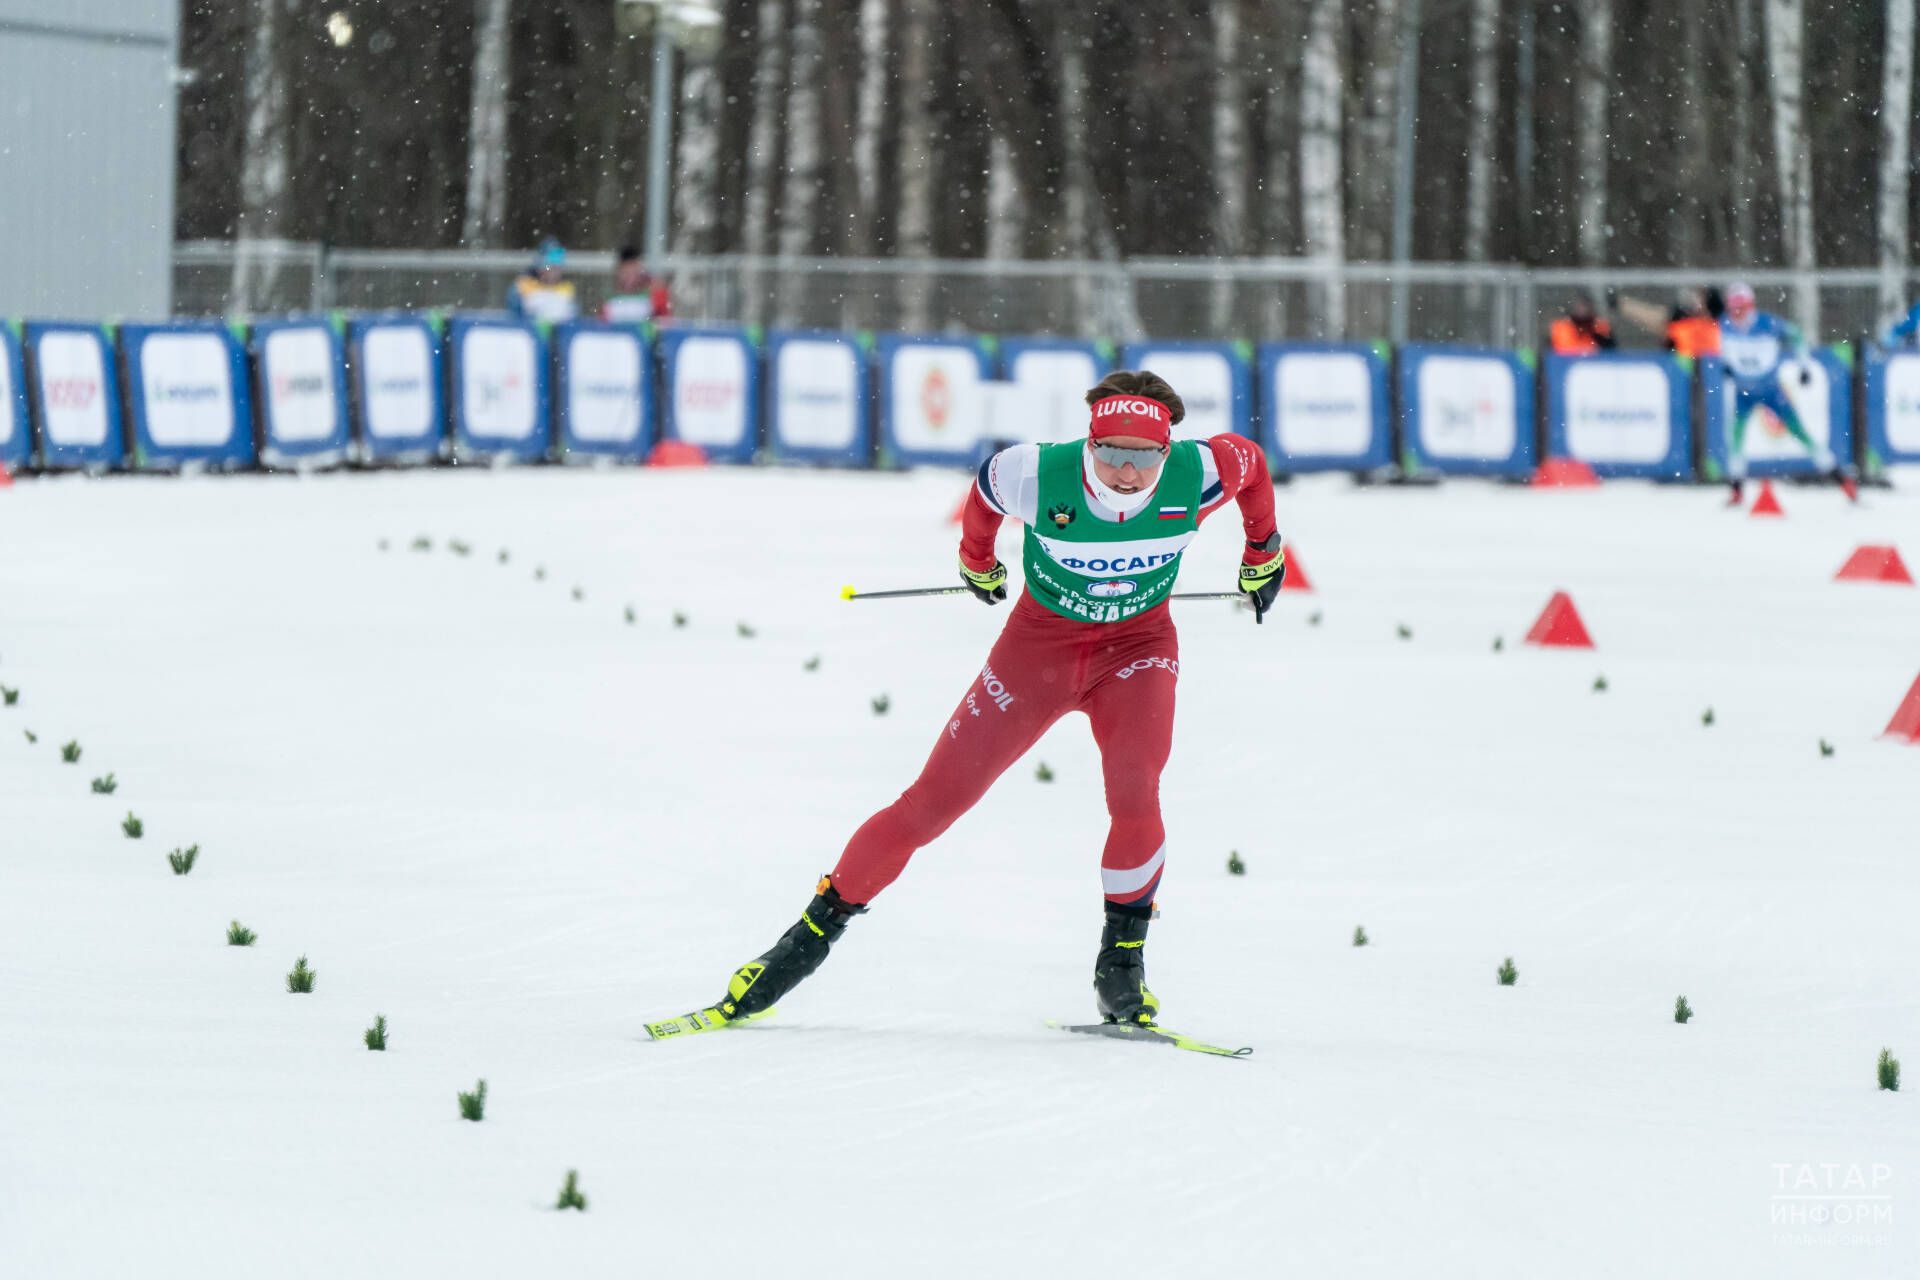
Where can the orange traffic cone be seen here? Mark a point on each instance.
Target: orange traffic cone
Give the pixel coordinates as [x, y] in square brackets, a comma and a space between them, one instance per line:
[1296, 579]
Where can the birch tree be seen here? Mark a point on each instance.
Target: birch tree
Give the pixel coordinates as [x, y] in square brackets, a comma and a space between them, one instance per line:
[764, 139]
[800, 201]
[1595, 82]
[264, 160]
[1483, 98]
[487, 129]
[1006, 202]
[1896, 127]
[1793, 160]
[1323, 217]
[1089, 230]
[870, 119]
[914, 186]
[696, 193]
[1741, 153]
[1373, 142]
[1229, 154]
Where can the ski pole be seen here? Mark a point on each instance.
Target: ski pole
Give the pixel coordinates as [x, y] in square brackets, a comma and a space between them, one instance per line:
[848, 593]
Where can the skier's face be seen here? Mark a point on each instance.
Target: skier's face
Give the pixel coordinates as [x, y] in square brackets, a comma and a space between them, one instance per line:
[1133, 474]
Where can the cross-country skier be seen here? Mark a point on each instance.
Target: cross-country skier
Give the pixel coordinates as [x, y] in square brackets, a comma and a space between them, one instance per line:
[1754, 344]
[1106, 521]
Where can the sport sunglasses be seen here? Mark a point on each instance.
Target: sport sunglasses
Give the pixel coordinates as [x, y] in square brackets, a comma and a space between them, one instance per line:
[1142, 459]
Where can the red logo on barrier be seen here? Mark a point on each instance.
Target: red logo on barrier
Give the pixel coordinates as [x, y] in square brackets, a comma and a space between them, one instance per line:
[71, 393]
[707, 394]
[936, 399]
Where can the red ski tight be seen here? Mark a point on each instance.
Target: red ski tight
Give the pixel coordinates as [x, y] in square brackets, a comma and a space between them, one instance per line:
[1121, 674]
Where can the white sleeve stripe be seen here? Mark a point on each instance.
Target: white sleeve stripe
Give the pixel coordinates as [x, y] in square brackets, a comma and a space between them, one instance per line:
[985, 485]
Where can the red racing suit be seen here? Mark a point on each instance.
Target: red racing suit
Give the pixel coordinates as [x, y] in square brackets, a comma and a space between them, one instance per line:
[1120, 674]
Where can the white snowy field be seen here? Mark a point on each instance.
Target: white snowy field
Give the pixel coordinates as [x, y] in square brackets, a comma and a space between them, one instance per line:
[519, 827]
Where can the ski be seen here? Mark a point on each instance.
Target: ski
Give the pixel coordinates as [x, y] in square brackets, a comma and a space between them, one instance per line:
[1150, 1034]
[690, 1024]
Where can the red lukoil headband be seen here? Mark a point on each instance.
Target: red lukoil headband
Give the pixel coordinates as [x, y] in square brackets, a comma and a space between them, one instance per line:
[1132, 416]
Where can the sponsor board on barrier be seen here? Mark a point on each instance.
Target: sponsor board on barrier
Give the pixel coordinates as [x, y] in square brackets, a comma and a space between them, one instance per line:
[606, 390]
[1893, 406]
[188, 392]
[397, 370]
[1467, 410]
[1623, 414]
[1048, 381]
[16, 444]
[500, 402]
[818, 398]
[1325, 406]
[1823, 403]
[933, 399]
[1211, 379]
[711, 386]
[75, 395]
[302, 383]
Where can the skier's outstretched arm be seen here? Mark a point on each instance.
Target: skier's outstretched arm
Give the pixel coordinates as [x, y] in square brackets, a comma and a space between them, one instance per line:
[1007, 485]
[1240, 472]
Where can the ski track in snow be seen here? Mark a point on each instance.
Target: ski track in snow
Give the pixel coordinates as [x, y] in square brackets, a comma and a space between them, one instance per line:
[519, 828]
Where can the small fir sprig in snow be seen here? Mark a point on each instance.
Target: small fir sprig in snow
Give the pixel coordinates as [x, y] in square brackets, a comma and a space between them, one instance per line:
[70, 751]
[32, 737]
[1507, 973]
[459, 548]
[238, 935]
[679, 619]
[632, 617]
[106, 786]
[1499, 643]
[423, 543]
[1682, 1011]
[1889, 1071]
[504, 556]
[881, 704]
[133, 826]
[300, 980]
[540, 573]
[579, 594]
[473, 1106]
[1235, 867]
[182, 860]
[384, 544]
[812, 664]
[9, 696]
[1043, 774]
[744, 631]
[376, 1035]
[1359, 936]
[1313, 619]
[1600, 684]
[1826, 748]
[1405, 631]
[1706, 718]
[570, 1197]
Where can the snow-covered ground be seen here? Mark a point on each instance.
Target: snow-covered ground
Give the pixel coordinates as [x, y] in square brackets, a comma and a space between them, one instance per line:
[519, 827]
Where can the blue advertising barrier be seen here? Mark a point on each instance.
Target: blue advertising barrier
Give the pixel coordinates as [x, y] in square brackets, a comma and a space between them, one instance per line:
[1049, 379]
[499, 388]
[1213, 379]
[1824, 402]
[1893, 407]
[397, 383]
[603, 392]
[16, 428]
[76, 397]
[188, 393]
[933, 399]
[1624, 414]
[818, 406]
[1466, 410]
[710, 383]
[300, 378]
[1325, 406]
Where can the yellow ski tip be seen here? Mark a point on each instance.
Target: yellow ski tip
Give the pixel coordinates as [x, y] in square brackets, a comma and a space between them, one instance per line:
[847, 592]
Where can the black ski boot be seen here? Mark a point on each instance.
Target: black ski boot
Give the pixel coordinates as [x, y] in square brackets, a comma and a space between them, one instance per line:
[1120, 970]
[757, 984]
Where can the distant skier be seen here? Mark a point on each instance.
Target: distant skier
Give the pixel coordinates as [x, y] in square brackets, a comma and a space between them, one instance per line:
[1107, 519]
[1754, 344]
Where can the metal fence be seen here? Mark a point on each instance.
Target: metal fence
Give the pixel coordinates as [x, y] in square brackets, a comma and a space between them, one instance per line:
[1168, 298]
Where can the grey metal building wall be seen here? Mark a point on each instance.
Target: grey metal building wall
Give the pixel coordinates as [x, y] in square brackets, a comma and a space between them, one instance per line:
[87, 118]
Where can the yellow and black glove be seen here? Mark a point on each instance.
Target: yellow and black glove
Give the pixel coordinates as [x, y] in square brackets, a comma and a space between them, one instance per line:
[990, 586]
[1262, 581]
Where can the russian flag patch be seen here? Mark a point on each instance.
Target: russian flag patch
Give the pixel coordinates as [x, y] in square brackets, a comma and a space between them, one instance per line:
[1173, 513]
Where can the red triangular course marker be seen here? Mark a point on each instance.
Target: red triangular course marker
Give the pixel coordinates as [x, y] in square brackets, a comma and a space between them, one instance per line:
[1874, 564]
[677, 453]
[1559, 625]
[1296, 579]
[1564, 473]
[1905, 724]
[1767, 504]
[6, 476]
[960, 512]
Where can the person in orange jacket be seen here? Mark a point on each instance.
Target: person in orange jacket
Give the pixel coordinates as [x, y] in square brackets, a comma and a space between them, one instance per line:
[1581, 331]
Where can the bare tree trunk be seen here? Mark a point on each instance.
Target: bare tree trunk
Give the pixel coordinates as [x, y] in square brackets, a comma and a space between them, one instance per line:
[487, 130]
[1793, 160]
[1693, 117]
[763, 149]
[870, 119]
[1229, 156]
[264, 160]
[800, 202]
[1103, 306]
[1896, 124]
[696, 187]
[1595, 84]
[1373, 159]
[1006, 202]
[914, 190]
[1740, 161]
[1483, 96]
[1323, 217]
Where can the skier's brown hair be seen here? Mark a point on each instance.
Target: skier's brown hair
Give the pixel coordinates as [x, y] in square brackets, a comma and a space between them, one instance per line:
[1130, 382]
